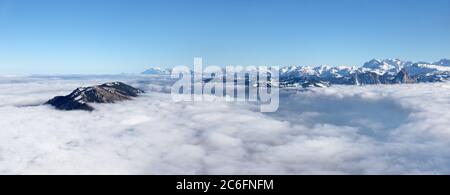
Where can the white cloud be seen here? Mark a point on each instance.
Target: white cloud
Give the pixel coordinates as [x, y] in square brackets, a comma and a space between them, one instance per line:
[339, 130]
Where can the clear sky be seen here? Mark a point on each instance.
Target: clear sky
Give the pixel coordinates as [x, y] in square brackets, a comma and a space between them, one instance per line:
[116, 36]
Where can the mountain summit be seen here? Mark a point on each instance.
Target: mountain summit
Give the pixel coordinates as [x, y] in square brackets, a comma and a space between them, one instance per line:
[157, 71]
[105, 93]
[391, 66]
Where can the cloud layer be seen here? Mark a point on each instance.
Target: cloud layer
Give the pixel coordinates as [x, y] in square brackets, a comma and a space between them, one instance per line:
[392, 129]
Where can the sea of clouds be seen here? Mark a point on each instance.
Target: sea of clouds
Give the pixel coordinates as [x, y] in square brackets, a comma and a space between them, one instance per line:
[380, 129]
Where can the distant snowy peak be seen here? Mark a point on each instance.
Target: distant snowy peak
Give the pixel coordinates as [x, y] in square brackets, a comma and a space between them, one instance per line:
[425, 68]
[373, 64]
[381, 67]
[337, 71]
[297, 70]
[157, 71]
[318, 71]
[443, 62]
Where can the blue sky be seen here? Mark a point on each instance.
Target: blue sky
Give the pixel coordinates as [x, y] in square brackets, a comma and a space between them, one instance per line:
[116, 36]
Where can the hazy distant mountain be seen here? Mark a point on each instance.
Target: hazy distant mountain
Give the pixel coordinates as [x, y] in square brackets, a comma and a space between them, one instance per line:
[106, 93]
[157, 71]
[443, 62]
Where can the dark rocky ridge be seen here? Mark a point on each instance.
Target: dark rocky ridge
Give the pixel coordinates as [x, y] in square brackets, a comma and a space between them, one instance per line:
[106, 93]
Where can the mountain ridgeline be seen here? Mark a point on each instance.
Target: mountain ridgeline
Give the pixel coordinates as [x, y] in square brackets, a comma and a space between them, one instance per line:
[389, 71]
[105, 93]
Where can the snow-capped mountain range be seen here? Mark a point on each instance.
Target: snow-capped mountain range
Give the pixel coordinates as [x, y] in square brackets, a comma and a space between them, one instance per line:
[388, 71]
